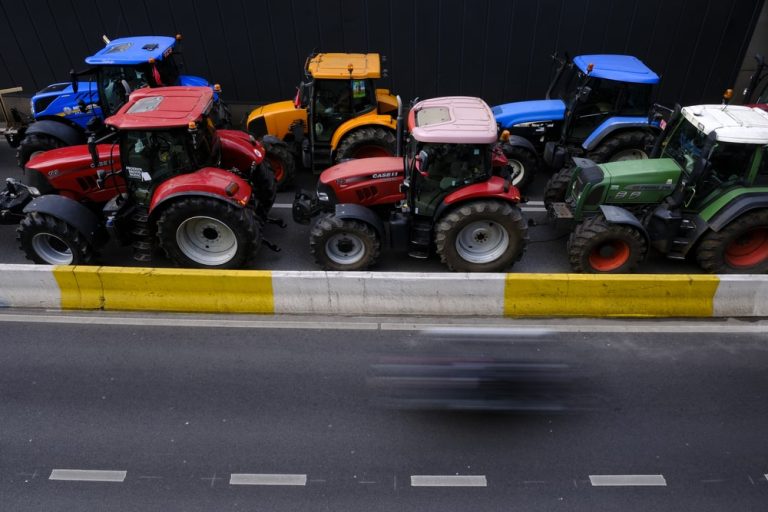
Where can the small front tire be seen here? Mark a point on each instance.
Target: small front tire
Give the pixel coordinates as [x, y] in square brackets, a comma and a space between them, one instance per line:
[599, 247]
[522, 162]
[283, 165]
[51, 241]
[343, 244]
[557, 187]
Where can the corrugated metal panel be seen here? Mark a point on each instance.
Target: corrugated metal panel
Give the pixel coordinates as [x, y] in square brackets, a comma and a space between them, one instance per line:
[498, 50]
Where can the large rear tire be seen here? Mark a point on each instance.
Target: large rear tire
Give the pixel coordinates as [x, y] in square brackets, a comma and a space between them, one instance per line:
[598, 247]
[201, 232]
[343, 244]
[35, 143]
[632, 145]
[741, 247]
[481, 236]
[523, 162]
[283, 165]
[557, 187]
[51, 241]
[366, 143]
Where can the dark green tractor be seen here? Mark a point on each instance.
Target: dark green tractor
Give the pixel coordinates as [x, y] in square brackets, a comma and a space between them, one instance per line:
[705, 195]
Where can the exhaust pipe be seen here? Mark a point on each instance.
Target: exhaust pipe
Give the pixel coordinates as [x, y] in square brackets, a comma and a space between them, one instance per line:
[399, 146]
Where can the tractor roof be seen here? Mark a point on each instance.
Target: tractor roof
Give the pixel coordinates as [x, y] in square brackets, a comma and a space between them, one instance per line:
[344, 65]
[621, 68]
[737, 123]
[453, 119]
[164, 107]
[132, 50]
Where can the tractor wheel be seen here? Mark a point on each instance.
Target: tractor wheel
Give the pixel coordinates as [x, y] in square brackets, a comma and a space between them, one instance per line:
[522, 162]
[597, 247]
[557, 187]
[201, 232]
[283, 164]
[482, 236]
[343, 244]
[741, 247]
[623, 146]
[366, 143]
[48, 240]
[33, 144]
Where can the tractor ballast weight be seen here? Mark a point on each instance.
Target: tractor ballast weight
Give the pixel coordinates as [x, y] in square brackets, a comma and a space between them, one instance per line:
[446, 194]
[596, 106]
[337, 113]
[61, 112]
[707, 195]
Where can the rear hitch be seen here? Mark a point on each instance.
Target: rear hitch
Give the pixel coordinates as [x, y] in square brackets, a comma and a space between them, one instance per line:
[305, 206]
[13, 199]
[279, 222]
[270, 245]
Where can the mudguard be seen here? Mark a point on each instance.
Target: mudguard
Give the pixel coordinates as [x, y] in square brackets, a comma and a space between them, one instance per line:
[618, 215]
[347, 127]
[358, 212]
[270, 140]
[737, 208]
[207, 182]
[615, 124]
[239, 150]
[64, 132]
[490, 189]
[518, 141]
[73, 213]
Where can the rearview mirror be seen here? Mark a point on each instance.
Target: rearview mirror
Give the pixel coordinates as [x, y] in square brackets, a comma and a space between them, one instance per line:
[92, 150]
[584, 92]
[422, 162]
[73, 79]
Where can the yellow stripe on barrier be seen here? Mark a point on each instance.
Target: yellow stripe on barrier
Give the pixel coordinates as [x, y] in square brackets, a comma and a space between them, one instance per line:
[144, 289]
[630, 295]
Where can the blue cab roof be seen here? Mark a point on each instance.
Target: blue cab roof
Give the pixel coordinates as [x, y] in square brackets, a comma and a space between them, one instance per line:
[132, 50]
[622, 68]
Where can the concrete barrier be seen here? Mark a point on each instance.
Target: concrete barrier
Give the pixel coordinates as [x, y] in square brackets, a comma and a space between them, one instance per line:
[382, 293]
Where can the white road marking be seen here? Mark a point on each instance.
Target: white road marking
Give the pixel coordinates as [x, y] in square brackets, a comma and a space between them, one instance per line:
[627, 480]
[448, 481]
[87, 475]
[530, 206]
[266, 479]
[368, 324]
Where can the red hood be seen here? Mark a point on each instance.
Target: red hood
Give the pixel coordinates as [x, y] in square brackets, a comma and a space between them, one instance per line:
[364, 168]
[72, 158]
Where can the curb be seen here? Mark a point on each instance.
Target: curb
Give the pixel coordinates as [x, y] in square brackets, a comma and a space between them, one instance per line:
[382, 293]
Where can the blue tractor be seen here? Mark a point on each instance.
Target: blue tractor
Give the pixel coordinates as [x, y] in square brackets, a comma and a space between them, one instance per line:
[596, 106]
[63, 113]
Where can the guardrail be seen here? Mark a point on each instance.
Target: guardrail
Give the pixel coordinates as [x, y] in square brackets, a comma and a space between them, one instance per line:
[382, 293]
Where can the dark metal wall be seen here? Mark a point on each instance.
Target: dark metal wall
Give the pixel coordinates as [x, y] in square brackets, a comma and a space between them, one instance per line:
[495, 49]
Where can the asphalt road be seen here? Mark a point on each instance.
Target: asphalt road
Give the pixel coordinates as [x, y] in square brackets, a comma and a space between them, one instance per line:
[545, 252]
[115, 413]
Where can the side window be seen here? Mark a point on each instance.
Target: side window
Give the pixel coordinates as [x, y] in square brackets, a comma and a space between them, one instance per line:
[761, 178]
[363, 96]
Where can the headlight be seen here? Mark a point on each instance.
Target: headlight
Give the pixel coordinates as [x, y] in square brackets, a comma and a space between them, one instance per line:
[32, 107]
[322, 196]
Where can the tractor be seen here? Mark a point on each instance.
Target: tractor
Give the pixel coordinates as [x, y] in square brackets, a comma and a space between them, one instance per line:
[444, 193]
[61, 112]
[705, 193]
[157, 180]
[596, 106]
[337, 114]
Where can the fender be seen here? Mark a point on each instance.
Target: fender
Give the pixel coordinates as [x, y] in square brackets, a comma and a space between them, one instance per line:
[275, 119]
[618, 215]
[372, 119]
[490, 189]
[208, 182]
[239, 150]
[615, 124]
[73, 213]
[270, 140]
[737, 208]
[362, 213]
[61, 130]
[522, 142]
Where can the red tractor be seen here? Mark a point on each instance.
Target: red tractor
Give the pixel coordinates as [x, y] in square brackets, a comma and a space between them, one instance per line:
[445, 193]
[158, 180]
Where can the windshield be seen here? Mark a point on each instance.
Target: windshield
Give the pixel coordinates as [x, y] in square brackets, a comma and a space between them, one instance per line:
[563, 85]
[684, 144]
[453, 161]
[117, 82]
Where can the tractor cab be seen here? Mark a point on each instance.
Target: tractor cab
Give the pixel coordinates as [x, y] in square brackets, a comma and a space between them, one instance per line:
[450, 147]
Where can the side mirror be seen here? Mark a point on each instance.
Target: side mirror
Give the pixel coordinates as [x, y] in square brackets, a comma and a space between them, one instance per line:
[584, 93]
[422, 163]
[73, 79]
[93, 151]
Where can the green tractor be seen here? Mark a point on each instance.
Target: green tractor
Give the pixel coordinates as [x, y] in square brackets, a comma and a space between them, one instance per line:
[705, 193]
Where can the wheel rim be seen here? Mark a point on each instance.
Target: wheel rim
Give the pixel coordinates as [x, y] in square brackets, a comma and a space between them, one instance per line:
[629, 154]
[345, 248]
[277, 168]
[748, 250]
[52, 249]
[206, 241]
[517, 167]
[482, 241]
[370, 151]
[609, 255]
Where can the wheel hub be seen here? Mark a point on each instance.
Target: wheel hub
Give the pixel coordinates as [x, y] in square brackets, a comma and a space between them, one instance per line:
[345, 249]
[482, 242]
[52, 249]
[206, 240]
[609, 256]
[749, 249]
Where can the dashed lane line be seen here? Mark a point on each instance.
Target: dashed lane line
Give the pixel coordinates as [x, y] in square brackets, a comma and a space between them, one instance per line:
[449, 481]
[267, 479]
[87, 475]
[627, 480]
